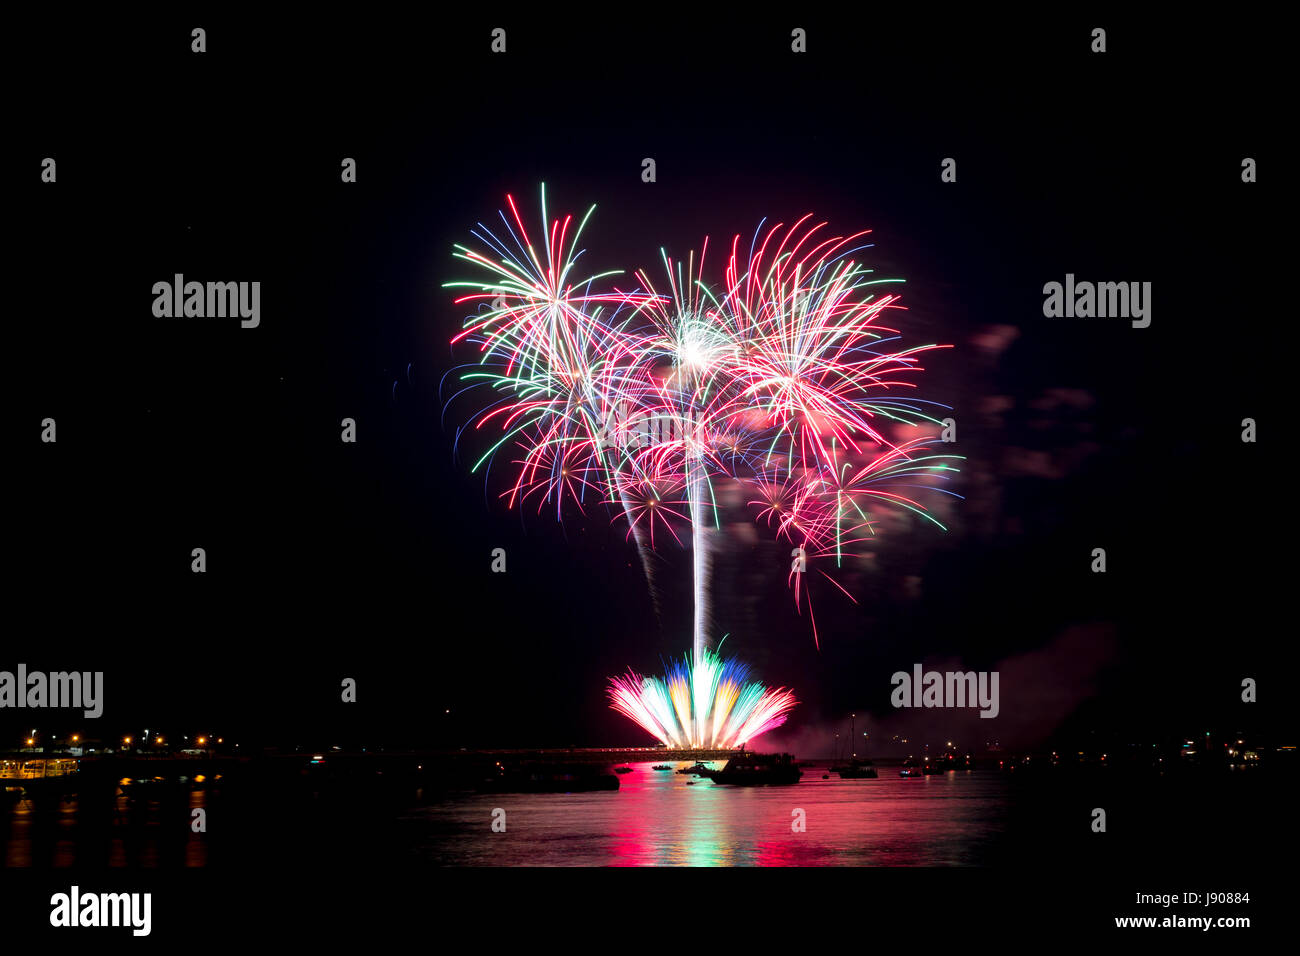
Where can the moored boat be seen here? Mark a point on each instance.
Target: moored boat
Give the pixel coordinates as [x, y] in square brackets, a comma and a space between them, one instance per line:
[751, 769]
[857, 770]
[547, 778]
[700, 769]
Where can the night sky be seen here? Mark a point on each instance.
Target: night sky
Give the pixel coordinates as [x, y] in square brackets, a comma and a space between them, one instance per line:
[328, 560]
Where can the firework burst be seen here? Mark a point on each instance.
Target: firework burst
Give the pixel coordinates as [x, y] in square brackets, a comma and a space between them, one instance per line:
[783, 379]
[707, 704]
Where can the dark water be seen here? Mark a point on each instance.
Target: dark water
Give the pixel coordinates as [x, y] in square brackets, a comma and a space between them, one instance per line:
[660, 818]
[125, 829]
[979, 818]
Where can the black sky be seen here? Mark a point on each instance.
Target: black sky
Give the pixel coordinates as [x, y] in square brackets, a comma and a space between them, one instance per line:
[372, 561]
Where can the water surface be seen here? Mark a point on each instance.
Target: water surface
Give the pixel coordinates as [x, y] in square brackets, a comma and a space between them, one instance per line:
[661, 818]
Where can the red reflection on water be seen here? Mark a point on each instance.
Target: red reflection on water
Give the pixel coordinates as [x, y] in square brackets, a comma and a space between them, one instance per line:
[660, 818]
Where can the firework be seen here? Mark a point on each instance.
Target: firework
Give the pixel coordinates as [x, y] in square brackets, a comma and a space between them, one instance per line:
[707, 704]
[781, 379]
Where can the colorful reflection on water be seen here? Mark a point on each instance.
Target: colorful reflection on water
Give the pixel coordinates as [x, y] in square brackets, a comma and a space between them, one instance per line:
[659, 818]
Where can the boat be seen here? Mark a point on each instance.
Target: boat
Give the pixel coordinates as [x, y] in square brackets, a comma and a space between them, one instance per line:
[954, 763]
[547, 778]
[661, 766]
[855, 769]
[700, 769]
[622, 769]
[922, 769]
[751, 769]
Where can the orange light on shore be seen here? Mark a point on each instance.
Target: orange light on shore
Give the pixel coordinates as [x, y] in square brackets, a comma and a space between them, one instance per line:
[202, 741]
[127, 741]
